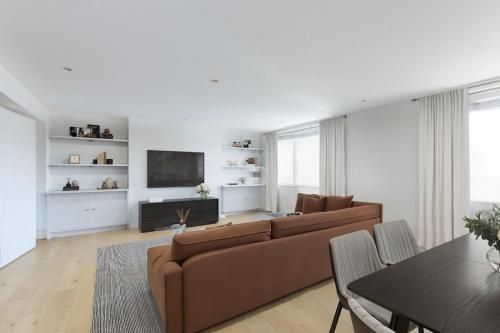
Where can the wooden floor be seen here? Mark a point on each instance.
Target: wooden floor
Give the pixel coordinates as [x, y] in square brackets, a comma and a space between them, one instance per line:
[51, 289]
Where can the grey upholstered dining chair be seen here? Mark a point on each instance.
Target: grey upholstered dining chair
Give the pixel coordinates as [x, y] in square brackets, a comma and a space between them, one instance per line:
[353, 256]
[363, 322]
[395, 241]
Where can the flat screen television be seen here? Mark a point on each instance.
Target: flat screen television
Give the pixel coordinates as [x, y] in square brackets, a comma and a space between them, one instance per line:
[175, 168]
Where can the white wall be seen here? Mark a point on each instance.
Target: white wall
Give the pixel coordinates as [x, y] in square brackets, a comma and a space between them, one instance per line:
[150, 134]
[382, 159]
[16, 92]
[15, 97]
[18, 183]
[41, 178]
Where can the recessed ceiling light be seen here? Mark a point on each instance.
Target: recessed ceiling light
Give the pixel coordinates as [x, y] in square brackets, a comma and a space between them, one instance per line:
[214, 81]
[67, 69]
[363, 101]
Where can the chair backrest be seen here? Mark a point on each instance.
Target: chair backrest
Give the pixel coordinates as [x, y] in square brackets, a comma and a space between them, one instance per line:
[395, 241]
[363, 322]
[354, 255]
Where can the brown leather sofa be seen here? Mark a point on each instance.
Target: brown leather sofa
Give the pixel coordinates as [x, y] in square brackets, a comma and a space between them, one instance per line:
[211, 275]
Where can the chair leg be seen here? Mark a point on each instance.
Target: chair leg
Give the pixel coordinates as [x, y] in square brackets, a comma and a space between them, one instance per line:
[420, 329]
[336, 318]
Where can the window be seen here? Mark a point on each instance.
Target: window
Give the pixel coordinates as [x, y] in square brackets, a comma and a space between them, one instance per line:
[298, 158]
[484, 154]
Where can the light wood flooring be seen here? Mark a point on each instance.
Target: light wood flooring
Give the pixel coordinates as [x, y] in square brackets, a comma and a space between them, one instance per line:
[51, 289]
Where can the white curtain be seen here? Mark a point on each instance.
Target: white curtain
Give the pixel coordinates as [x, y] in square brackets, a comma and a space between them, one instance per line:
[443, 167]
[332, 156]
[271, 155]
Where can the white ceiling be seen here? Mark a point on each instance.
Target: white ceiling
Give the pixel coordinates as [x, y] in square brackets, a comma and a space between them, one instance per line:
[279, 62]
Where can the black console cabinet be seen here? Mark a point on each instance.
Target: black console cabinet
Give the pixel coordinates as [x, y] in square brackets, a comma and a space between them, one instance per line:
[157, 215]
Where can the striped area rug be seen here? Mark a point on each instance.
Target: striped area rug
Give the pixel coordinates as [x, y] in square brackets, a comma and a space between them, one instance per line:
[122, 299]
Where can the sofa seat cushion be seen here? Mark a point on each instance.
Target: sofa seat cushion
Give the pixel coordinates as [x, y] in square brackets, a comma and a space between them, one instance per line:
[299, 204]
[191, 243]
[313, 205]
[292, 225]
[333, 202]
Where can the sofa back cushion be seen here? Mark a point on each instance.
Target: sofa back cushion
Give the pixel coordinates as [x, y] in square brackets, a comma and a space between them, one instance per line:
[313, 205]
[299, 204]
[194, 242]
[293, 225]
[333, 202]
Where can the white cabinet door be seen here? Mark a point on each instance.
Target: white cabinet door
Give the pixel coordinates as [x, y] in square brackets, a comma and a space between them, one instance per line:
[67, 212]
[109, 209]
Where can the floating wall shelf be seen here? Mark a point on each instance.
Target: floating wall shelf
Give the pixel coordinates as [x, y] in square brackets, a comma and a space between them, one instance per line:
[87, 191]
[241, 148]
[89, 165]
[72, 138]
[244, 185]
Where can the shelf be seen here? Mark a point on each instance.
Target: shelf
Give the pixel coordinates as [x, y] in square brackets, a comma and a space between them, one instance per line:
[241, 167]
[87, 191]
[88, 165]
[241, 148]
[71, 138]
[244, 185]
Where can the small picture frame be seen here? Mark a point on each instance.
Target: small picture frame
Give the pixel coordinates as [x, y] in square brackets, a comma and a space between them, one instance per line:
[74, 159]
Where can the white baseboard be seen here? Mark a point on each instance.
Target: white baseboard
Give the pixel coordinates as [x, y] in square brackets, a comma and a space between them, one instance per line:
[226, 214]
[65, 233]
[41, 234]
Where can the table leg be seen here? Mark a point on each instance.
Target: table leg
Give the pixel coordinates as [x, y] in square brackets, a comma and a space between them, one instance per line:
[400, 324]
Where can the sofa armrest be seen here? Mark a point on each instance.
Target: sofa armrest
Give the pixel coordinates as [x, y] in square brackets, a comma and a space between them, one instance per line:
[165, 282]
[363, 203]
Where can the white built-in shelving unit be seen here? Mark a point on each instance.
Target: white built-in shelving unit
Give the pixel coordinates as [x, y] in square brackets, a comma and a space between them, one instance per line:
[88, 209]
[249, 195]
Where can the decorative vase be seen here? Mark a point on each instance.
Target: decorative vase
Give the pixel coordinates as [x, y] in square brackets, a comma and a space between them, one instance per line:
[203, 195]
[493, 257]
[178, 228]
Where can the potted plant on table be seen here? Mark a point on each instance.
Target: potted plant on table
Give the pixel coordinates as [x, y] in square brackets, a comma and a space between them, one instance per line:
[203, 190]
[486, 225]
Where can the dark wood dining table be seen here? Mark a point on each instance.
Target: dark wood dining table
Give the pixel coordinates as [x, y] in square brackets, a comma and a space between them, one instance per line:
[448, 289]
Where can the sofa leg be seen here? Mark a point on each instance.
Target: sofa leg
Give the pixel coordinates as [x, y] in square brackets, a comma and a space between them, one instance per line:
[420, 329]
[336, 317]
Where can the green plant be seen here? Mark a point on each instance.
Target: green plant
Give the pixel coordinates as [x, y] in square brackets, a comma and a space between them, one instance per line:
[486, 225]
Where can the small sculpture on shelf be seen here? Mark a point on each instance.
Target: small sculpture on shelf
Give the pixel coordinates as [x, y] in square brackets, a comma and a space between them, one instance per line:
[251, 161]
[108, 184]
[237, 144]
[73, 186]
[107, 134]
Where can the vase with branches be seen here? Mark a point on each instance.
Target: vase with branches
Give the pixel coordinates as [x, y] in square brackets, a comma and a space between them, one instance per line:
[180, 227]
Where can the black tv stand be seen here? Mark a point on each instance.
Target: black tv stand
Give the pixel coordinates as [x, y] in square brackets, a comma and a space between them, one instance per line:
[160, 215]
